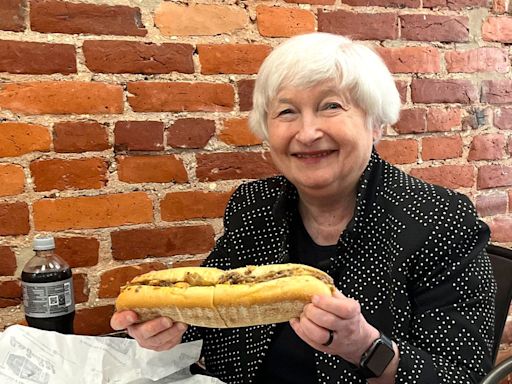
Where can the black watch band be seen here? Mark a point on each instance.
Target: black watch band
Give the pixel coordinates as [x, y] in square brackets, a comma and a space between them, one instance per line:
[376, 359]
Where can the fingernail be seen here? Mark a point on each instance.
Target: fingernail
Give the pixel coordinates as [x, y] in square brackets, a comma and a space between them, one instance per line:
[166, 322]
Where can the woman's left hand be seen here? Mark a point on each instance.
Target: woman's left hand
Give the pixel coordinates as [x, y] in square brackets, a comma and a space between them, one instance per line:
[352, 334]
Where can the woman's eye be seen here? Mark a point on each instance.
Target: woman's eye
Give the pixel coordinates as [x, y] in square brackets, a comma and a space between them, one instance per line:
[286, 111]
[332, 106]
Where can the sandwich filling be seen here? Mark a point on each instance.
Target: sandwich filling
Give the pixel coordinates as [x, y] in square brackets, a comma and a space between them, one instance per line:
[236, 277]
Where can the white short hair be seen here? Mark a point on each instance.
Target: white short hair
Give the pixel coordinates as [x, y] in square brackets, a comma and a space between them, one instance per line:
[305, 60]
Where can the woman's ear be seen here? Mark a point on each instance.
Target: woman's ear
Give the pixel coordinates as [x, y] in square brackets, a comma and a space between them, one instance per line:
[377, 133]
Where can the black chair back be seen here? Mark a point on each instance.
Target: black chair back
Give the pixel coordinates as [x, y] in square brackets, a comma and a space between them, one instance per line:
[499, 373]
[501, 260]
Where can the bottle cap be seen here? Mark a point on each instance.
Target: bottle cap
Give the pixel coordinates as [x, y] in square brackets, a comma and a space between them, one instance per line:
[44, 242]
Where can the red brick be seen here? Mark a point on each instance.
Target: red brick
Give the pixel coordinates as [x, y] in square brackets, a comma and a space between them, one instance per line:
[61, 97]
[199, 19]
[443, 120]
[89, 173]
[80, 288]
[7, 261]
[17, 139]
[491, 204]
[470, 121]
[449, 176]
[177, 206]
[497, 91]
[179, 97]
[384, 3]
[455, 4]
[359, 26]
[487, 147]
[411, 59]
[92, 211]
[500, 6]
[13, 15]
[78, 251]
[501, 229]
[434, 28]
[401, 151]
[434, 3]
[438, 148]
[245, 89]
[443, 91]
[67, 17]
[93, 321]
[485, 59]
[80, 136]
[14, 219]
[509, 145]
[112, 280]
[12, 179]
[402, 89]
[236, 132]
[316, 2]
[234, 165]
[190, 133]
[139, 136]
[114, 56]
[7, 302]
[503, 118]
[162, 242]
[11, 289]
[412, 121]
[497, 28]
[232, 58]
[188, 263]
[36, 58]
[493, 176]
[151, 169]
[10, 293]
[284, 22]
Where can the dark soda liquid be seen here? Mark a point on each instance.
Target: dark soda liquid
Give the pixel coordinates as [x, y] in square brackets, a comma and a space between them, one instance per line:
[62, 324]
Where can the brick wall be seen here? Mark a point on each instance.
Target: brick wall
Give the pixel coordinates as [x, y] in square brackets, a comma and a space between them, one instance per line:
[123, 124]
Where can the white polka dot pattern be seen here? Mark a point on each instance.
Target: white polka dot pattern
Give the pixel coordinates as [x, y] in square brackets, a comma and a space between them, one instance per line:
[413, 256]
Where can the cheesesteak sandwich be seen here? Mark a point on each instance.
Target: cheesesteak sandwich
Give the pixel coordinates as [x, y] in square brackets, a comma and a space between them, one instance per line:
[211, 297]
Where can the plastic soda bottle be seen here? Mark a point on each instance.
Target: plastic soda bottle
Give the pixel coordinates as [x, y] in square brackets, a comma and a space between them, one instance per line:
[47, 283]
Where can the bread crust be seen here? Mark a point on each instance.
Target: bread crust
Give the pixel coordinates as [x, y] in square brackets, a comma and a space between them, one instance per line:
[274, 293]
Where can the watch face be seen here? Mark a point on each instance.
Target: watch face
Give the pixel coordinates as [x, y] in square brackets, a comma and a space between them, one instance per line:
[379, 359]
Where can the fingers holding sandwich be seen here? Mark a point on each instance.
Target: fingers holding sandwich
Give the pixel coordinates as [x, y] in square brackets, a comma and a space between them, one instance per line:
[335, 325]
[123, 319]
[158, 334]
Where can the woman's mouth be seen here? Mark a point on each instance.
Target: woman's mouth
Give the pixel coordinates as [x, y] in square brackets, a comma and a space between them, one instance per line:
[312, 155]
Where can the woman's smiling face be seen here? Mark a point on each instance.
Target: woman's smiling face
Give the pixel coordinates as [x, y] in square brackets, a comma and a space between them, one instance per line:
[319, 141]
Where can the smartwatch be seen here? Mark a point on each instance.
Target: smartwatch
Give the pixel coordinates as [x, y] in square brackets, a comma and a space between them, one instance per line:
[375, 360]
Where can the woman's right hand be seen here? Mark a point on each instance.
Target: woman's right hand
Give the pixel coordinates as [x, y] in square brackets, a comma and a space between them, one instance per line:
[158, 334]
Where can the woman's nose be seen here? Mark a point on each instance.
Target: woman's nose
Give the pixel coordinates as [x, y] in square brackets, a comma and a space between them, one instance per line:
[310, 130]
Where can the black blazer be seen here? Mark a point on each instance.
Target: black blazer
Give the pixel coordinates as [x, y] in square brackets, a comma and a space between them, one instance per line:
[413, 256]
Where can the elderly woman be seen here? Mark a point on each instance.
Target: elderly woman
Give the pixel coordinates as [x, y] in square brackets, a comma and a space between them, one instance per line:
[416, 292]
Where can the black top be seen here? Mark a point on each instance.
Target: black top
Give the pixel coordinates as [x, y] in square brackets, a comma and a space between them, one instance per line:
[289, 359]
[413, 256]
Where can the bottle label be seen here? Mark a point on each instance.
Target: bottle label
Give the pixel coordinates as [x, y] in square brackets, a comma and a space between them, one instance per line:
[48, 299]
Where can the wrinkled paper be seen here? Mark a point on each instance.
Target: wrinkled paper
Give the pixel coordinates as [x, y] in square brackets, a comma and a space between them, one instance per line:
[33, 356]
